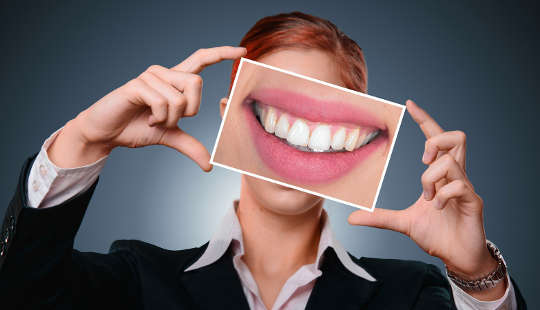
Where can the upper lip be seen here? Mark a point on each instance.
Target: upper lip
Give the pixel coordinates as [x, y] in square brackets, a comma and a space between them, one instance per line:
[316, 110]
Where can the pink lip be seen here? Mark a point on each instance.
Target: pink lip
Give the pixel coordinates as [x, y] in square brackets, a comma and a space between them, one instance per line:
[302, 167]
[316, 110]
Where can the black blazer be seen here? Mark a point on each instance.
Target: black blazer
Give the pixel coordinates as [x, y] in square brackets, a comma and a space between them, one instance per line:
[39, 269]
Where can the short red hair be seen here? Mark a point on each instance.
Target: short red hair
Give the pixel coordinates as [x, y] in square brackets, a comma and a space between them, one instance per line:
[299, 30]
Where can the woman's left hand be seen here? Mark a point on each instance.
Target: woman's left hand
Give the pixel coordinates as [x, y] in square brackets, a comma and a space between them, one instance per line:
[446, 221]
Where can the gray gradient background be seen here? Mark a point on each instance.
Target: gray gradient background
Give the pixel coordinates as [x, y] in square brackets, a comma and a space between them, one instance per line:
[472, 66]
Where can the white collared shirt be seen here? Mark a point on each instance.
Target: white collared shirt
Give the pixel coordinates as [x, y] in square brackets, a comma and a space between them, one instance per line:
[49, 185]
[295, 292]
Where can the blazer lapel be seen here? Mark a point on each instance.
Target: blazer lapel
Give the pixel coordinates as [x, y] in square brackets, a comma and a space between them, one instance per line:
[215, 286]
[338, 288]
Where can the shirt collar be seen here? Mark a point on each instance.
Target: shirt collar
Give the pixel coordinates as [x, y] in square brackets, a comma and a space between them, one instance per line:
[230, 230]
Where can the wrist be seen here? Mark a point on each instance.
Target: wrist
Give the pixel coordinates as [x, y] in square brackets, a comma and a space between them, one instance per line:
[71, 149]
[488, 282]
[479, 269]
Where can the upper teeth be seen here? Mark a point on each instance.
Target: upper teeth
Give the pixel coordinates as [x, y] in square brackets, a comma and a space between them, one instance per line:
[319, 138]
[270, 122]
[282, 127]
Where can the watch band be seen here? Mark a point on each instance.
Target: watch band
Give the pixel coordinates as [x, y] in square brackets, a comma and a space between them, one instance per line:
[489, 281]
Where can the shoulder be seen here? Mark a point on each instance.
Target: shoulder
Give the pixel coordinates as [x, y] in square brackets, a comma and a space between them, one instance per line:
[149, 254]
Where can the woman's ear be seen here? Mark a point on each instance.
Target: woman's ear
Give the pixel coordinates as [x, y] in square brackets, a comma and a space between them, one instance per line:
[223, 105]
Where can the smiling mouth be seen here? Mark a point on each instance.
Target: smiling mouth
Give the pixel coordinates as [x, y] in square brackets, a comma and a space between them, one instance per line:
[310, 141]
[309, 136]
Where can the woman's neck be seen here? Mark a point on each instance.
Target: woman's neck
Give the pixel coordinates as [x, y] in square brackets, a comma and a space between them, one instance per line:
[277, 244]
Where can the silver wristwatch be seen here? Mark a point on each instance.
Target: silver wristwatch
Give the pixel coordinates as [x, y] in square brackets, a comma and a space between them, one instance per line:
[487, 282]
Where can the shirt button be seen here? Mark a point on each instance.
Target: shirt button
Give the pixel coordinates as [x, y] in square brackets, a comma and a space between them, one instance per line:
[42, 170]
[35, 185]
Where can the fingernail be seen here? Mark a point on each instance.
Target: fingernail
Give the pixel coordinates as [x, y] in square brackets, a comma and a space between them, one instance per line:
[438, 204]
[427, 195]
[426, 157]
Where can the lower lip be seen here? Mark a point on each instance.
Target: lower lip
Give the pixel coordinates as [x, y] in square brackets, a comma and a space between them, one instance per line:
[305, 167]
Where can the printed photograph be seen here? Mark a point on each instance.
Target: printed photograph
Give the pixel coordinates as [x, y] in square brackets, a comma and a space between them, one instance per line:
[310, 135]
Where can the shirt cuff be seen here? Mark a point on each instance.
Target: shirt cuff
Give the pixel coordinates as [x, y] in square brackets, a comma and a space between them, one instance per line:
[465, 301]
[49, 185]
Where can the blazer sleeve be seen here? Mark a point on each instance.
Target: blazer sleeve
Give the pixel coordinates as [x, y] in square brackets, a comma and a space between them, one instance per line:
[436, 292]
[521, 304]
[39, 269]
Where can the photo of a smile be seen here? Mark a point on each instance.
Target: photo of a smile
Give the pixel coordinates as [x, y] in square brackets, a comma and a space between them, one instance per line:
[307, 134]
[321, 140]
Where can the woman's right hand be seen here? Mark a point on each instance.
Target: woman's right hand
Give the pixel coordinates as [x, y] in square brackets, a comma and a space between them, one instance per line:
[144, 111]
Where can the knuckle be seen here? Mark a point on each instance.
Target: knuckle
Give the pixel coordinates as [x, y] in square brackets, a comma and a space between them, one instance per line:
[134, 84]
[443, 193]
[172, 123]
[480, 201]
[447, 158]
[160, 117]
[145, 75]
[461, 186]
[159, 101]
[190, 112]
[201, 52]
[461, 136]
[196, 80]
[154, 68]
[425, 178]
[178, 100]
[213, 53]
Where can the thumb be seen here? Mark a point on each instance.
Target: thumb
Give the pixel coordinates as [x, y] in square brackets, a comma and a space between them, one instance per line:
[184, 143]
[381, 218]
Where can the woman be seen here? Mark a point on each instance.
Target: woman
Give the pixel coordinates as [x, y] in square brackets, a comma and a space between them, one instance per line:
[274, 249]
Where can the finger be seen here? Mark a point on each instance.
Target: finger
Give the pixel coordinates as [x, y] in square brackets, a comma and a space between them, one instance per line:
[445, 167]
[208, 56]
[381, 218]
[444, 142]
[427, 124]
[187, 83]
[193, 91]
[456, 189]
[187, 145]
[146, 95]
[176, 100]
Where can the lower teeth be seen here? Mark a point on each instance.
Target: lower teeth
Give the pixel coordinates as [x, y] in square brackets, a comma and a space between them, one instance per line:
[307, 149]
